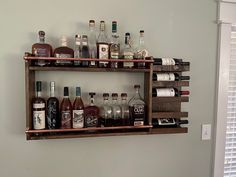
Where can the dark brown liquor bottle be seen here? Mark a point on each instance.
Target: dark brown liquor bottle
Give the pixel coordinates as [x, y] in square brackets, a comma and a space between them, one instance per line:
[66, 110]
[78, 110]
[64, 52]
[91, 113]
[53, 113]
[38, 105]
[41, 49]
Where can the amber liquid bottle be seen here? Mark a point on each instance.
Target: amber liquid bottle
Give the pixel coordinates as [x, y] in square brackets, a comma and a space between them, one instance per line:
[66, 110]
[78, 110]
[41, 49]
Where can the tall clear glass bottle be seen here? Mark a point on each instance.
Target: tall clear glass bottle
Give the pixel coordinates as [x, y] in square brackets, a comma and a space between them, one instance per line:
[92, 43]
[85, 50]
[114, 46]
[137, 108]
[103, 46]
[124, 110]
[106, 111]
[78, 49]
[116, 109]
[128, 52]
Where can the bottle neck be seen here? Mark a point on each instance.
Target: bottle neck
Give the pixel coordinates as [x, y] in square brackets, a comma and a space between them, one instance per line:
[64, 43]
[114, 100]
[41, 40]
[105, 101]
[124, 100]
[141, 41]
[91, 101]
[38, 94]
[52, 92]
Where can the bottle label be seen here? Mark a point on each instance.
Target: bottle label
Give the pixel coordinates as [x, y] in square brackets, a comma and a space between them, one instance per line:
[39, 105]
[66, 119]
[92, 63]
[168, 61]
[129, 56]
[91, 120]
[138, 114]
[165, 77]
[167, 92]
[115, 55]
[41, 52]
[166, 121]
[39, 119]
[103, 51]
[52, 113]
[63, 56]
[78, 118]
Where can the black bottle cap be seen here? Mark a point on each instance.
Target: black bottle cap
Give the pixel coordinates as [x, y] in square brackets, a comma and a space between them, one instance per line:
[185, 77]
[127, 34]
[114, 95]
[136, 86]
[78, 91]
[105, 95]
[41, 33]
[123, 95]
[91, 21]
[66, 91]
[141, 31]
[92, 94]
[39, 86]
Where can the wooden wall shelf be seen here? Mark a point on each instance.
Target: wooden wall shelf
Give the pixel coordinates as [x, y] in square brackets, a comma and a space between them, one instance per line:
[170, 83]
[157, 115]
[171, 68]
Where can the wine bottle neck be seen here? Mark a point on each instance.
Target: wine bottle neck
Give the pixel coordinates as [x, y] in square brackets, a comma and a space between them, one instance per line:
[38, 94]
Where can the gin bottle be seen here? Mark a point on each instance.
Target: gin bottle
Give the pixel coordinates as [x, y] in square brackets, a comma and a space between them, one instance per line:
[137, 108]
[92, 43]
[106, 111]
[124, 109]
[114, 46]
[116, 109]
[78, 51]
[128, 52]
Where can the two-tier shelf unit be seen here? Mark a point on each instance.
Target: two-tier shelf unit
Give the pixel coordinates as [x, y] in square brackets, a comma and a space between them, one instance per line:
[32, 134]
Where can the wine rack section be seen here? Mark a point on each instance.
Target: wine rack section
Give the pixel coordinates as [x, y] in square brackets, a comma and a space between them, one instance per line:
[154, 105]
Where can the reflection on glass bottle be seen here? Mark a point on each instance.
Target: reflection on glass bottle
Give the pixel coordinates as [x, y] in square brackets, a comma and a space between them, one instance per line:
[66, 110]
[78, 50]
[116, 109]
[124, 109]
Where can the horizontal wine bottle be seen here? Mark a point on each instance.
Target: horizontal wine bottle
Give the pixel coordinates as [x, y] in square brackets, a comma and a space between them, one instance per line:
[169, 61]
[168, 77]
[168, 123]
[168, 92]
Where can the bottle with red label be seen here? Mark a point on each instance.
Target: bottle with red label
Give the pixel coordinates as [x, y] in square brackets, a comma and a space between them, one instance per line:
[66, 110]
[168, 92]
[137, 108]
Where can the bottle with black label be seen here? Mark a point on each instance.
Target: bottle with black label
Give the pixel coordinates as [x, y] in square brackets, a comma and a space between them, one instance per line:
[39, 107]
[91, 113]
[168, 122]
[137, 108]
[53, 114]
[168, 92]
[66, 110]
[78, 110]
[169, 61]
[169, 77]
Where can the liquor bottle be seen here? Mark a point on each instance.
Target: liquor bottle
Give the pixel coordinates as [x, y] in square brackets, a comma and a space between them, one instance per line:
[106, 112]
[78, 50]
[128, 52]
[169, 61]
[168, 92]
[38, 108]
[137, 108]
[66, 110]
[168, 123]
[169, 77]
[141, 52]
[124, 110]
[41, 49]
[63, 52]
[53, 114]
[92, 43]
[102, 46]
[78, 110]
[91, 113]
[114, 46]
[85, 50]
[116, 109]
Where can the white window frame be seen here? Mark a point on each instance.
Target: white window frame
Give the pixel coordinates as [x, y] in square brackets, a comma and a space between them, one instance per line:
[227, 17]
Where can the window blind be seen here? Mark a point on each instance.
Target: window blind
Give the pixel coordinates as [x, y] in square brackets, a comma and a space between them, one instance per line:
[230, 144]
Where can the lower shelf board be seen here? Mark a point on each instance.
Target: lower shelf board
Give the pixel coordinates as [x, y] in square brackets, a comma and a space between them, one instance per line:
[169, 130]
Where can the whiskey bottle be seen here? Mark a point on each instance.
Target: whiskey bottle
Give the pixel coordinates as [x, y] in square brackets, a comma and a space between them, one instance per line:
[124, 110]
[78, 110]
[114, 46]
[66, 110]
[85, 50]
[38, 104]
[137, 108]
[78, 50]
[116, 109]
[168, 123]
[102, 46]
[169, 61]
[128, 52]
[168, 92]
[106, 112]
[41, 49]
[92, 43]
[141, 52]
[64, 52]
[91, 113]
[53, 114]
[169, 77]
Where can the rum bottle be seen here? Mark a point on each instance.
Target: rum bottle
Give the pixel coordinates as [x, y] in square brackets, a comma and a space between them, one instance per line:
[38, 105]
[91, 113]
[92, 43]
[41, 49]
[116, 109]
[114, 46]
[124, 110]
[64, 52]
[85, 50]
[78, 110]
[66, 110]
[106, 111]
[53, 113]
[128, 52]
[78, 50]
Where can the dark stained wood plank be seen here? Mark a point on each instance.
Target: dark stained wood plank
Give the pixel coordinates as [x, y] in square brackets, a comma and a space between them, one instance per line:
[157, 115]
[158, 100]
[169, 130]
[171, 68]
[170, 83]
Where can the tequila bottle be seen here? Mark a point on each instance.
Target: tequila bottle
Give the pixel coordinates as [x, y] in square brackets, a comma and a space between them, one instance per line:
[114, 46]
[106, 111]
[137, 108]
[92, 43]
[116, 109]
[124, 109]
[77, 51]
[128, 52]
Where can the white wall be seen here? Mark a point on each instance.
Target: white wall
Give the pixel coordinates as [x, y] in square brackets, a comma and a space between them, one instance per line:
[183, 28]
